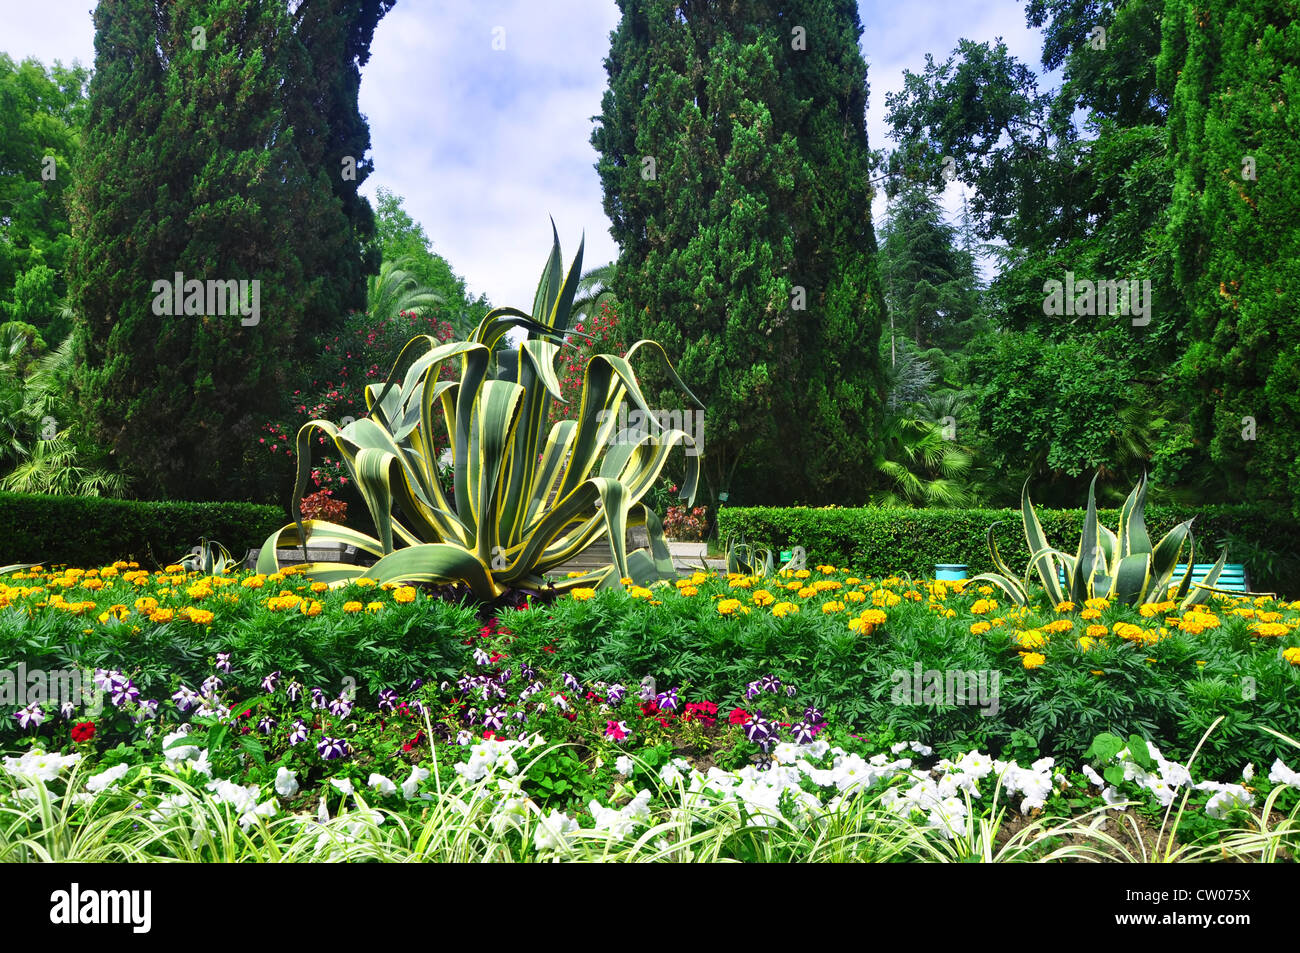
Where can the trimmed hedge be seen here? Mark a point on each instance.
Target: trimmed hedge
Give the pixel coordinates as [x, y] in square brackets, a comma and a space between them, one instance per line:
[91, 531]
[884, 541]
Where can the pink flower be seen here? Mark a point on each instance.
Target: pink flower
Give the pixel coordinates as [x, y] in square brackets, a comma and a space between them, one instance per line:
[617, 730]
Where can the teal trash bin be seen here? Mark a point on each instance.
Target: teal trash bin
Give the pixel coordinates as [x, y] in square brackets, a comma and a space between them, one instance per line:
[953, 572]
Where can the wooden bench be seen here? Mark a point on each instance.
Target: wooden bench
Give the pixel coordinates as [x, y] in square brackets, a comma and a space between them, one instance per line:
[1233, 577]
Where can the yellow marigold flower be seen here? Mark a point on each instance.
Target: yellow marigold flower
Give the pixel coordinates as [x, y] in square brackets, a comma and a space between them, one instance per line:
[1097, 603]
[827, 585]
[999, 621]
[762, 597]
[680, 583]
[1030, 639]
[199, 616]
[1268, 629]
[107, 572]
[146, 604]
[983, 606]
[1098, 631]
[979, 628]
[93, 584]
[807, 592]
[913, 595]
[883, 597]
[639, 592]
[254, 582]
[826, 570]
[1065, 607]
[802, 574]
[626, 581]
[1059, 625]
[985, 590]
[161, 615]
[689, 591]
[874, 616]
[319, 586]
[744, 582]
[728, 606]
[178, 580]
[173, 568]
[697, 578]
[200, 590]
[1268, 616]
[794, 585]
[784, 608]
[832, 606]
[857, 625]
[1292, 655]
[582, 594]
[573, 574]
[852, 581]
[310, 607]
[365, 582]
[1244, 613]
[353, 606]
[404, 594]
[374, 606]
[1033, 659]
[855, 596]
[1090, 614]
[1087, 642]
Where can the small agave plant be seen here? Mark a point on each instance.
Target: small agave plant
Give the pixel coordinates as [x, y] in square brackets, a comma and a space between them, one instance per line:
[525, 498]
[1120, 566]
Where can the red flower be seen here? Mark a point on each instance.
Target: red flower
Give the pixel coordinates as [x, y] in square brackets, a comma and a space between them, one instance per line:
[739, 716]
[650, 707]
[83, 731]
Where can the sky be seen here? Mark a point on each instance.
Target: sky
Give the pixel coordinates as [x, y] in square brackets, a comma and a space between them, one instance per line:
[481, 111]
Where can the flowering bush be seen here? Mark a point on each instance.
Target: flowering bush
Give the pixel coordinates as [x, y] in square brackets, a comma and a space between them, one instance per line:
[322, 506]
[686, 525]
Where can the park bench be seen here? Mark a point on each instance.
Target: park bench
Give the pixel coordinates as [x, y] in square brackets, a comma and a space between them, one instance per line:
[1233, 577]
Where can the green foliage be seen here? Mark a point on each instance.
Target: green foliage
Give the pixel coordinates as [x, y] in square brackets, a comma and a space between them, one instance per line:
[758, 204]
[1232, 67]
[94, 531]
[40, 111]
[883, 541]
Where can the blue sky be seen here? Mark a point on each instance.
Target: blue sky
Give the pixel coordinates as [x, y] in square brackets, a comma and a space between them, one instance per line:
[484, 144]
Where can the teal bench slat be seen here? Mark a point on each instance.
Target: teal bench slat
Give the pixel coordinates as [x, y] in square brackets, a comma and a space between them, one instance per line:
[1233, 577]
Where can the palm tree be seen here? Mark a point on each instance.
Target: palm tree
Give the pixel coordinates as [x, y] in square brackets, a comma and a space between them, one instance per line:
[396, 290]
[47, 459]
[594, 289]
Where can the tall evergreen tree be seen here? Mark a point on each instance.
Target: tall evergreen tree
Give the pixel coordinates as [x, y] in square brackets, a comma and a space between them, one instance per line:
[734, 161]
[200, 158]
[1235, 229]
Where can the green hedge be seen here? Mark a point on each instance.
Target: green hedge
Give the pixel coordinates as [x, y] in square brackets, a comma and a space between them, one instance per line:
[884, 541]
[90, 531]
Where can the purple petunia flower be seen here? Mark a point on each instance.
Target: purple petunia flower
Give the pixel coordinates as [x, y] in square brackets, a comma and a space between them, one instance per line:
[571, 683]
[331, 749]
[387, 699]
[317, 699]
[269, 683]
[470, 716]
[463, 737]
[415, 684]
[789, 691]
[293, 690]
[770, 683]
[340, 707]
[813, 715]
[299, 732]
[67, 710]
[416, 706]
[266, 725]
[125, 693]
[185, 698]
[210, 685]
[493, 718]
[616, 694]
[223, 662]
[667, 700]
[481, 657]
[527, 672]
[148, 708]
[752, 691]
[803, 733]
[31, 716]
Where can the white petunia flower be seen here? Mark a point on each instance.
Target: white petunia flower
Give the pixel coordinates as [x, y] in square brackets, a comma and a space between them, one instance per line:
[286, 782]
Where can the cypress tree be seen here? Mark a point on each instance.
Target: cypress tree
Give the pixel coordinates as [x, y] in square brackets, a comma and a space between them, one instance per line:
[202, 158]
[1235, 231]
[734, 162]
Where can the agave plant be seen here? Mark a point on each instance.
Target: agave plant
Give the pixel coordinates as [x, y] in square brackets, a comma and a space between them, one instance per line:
[1120, 566]
[524, 500]
[210, 558]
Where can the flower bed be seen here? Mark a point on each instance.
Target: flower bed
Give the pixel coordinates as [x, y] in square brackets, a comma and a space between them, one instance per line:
[651, 722]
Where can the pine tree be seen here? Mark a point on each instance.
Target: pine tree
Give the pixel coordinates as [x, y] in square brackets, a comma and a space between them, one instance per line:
[734, 161]
[1235, 230]
[201, 160]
